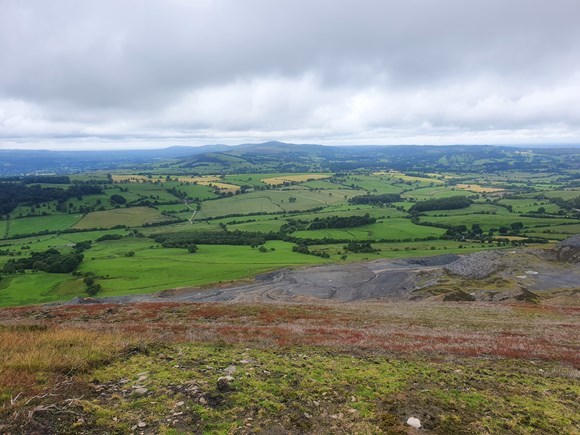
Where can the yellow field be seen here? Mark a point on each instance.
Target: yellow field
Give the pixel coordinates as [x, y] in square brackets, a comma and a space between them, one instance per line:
[397, 174]
[299, 178]
[206, 180]
[478, 189]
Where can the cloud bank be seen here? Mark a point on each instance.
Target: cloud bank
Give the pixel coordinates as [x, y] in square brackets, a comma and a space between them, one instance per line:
[122, 74]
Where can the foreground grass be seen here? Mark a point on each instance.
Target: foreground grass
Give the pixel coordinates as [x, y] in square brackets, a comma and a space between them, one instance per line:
[313, 390]
[362, 368]
[33, 356]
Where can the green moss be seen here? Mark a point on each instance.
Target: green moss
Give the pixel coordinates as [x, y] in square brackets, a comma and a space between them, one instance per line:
[312, 390]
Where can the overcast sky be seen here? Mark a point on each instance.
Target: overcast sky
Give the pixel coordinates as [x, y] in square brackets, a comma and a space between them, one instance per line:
[124, 74]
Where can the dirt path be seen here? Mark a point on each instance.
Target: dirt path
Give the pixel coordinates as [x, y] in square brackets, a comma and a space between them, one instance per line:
[192, 209]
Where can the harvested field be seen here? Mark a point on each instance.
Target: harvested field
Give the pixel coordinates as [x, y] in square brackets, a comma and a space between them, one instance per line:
[299, 178]
[479, 189]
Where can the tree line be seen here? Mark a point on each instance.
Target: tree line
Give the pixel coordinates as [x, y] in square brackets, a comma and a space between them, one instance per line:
[11, 195]
[450, 203]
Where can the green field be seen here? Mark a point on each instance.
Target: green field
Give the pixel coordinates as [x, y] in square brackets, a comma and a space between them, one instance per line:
[435, 192]
[132, 217]
[472, 209]
[530, 205]
[390, 229]
[273, 201]
[495, 221]
[32, 225]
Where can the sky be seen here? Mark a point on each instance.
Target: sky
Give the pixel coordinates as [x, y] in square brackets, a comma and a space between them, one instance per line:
[119, 74]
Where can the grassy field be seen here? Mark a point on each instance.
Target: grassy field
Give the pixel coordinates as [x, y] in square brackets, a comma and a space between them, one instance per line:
[158, 268]
[529, 205]
[403, 249]
[273, 201]
[34, 288]
[472, 209]
[133, 217]
[389, 229]
[478, 189]
[31, 225]
[495, 221]
[424, 193]
[296, 178]
[375, 184]
[150, 269]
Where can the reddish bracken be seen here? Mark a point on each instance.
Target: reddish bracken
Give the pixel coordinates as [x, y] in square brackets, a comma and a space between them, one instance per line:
[516, 331]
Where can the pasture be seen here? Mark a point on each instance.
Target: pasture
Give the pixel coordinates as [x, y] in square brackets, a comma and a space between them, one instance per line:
[270, 201]
[387, 229]
[33, 225]
[297, 178]
[479, 189]
[132, 217]
[488, 222]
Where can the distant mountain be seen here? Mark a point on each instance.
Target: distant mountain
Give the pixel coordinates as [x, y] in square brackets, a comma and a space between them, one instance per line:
[288, 157]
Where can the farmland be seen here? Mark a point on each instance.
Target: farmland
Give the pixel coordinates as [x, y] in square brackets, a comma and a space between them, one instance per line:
[133, 217]
[277, 209]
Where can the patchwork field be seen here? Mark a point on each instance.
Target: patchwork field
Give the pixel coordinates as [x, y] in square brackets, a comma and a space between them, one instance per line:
[478, 189]
[389, 229]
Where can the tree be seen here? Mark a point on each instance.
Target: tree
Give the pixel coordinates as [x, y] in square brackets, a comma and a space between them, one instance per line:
[118, 199]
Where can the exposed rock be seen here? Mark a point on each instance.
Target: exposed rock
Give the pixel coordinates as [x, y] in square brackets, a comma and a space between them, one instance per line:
[568, 250]
[436, 260]
[414, 422]
[230, 370]
[477, 266]
[224, 383]
[140, 391]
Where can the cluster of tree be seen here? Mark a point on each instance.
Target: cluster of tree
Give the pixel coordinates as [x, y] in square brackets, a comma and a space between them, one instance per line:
[385, 198]
[186, 239]
[304, 249]
[92, 287]
[13, 194]
[341, 222]
[51, 179]
[51, 261]
[364, 247]
[293, 225]
[82, 246]
[513, 229]
[461, 232]
[117, 199]
[106, 237]
[451, 203]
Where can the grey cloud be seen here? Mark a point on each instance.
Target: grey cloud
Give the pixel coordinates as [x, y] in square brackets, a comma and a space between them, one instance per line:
[212, 69]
